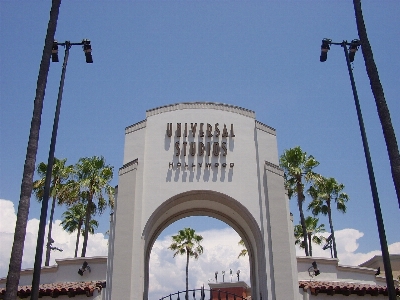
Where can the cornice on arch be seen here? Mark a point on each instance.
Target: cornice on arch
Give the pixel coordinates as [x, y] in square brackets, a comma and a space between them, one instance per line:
[201, 105]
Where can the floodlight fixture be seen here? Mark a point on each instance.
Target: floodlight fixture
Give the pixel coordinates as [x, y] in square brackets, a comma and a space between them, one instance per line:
[85, 267]
[329, 239]
[50, 247]
[55, 248]
[313, 270]
[325, 46]
[87, 48]
[328, 244]
[353, 49]
[316, 271]
[54, 52]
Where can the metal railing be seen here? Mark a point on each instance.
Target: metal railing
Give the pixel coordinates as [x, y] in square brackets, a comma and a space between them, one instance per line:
[200, 294]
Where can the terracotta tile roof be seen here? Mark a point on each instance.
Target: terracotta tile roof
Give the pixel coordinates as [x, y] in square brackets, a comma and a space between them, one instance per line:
[87, 288]
[62, 288]
[344, 288]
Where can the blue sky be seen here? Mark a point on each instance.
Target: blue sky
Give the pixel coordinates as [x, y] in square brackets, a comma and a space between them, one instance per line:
[260, 55]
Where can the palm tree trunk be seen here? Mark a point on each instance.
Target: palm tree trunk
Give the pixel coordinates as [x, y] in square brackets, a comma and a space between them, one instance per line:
[309, 243]
[53, 204]
[30, 160]
[187, 275]
[77, 238]
[332, 232]
[303, 225]
[300, 199]
[377, 90]
[87, 224]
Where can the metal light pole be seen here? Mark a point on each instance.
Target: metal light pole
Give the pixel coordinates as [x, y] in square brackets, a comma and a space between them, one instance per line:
[379, 220]
[46, 192]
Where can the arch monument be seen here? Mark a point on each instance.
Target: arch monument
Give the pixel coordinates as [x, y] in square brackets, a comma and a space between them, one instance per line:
[201, 159]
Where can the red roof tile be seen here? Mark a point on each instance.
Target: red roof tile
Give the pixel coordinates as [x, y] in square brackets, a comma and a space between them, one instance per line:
[81, 288]
[344, 288]
[61, 288]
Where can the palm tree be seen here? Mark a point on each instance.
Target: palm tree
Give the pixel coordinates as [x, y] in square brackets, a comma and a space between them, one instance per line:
[59, 176]
[93, 177]
[313, 229]
[297, 167]
[187, 242]
[377, 90]
[30, 160]
[74, 219]
[243, 252]
[327, 192]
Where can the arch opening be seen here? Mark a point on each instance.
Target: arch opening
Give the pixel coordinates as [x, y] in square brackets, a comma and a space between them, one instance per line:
[215, 205]
[221, 250]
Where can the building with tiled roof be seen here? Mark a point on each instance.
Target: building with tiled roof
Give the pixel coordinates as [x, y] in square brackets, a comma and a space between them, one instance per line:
[377, 262]
[63, 281]
[83, 289]
[331, 288]
[338, 280]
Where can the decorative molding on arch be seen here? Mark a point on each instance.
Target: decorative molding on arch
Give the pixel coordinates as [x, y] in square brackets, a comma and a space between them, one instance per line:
[201, 105]
[130, 166]
[206, 195]
[273, 168]
[136, 126]
[266, 128]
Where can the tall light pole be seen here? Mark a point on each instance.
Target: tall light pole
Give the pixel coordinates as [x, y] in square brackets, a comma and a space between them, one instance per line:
[353, 47]
[46, 193]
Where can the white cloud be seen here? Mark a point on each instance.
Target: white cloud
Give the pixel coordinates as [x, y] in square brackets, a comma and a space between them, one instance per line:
[394, 248]
[97, 244]
[7, 216]
[347, 245]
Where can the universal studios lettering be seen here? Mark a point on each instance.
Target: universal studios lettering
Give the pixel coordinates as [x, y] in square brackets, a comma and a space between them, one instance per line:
[207, 130]
[200, 148]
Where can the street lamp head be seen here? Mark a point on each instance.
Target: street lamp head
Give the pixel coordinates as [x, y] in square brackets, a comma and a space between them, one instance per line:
[325, 46]
[378, 271]
[353, 49]
[87, 48]
[54, 52]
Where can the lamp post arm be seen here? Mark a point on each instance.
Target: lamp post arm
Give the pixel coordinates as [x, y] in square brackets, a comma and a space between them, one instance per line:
[374, 190]
[46, 193]
[70, 44]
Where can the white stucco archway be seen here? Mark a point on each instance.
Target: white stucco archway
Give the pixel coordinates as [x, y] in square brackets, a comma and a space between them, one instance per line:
[201, 159]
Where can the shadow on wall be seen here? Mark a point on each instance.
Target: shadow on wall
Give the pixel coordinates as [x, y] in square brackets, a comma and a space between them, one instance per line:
[201, 156]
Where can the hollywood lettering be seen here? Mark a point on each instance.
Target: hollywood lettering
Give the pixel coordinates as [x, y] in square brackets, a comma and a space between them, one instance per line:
[200, 165]
[202, 148]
